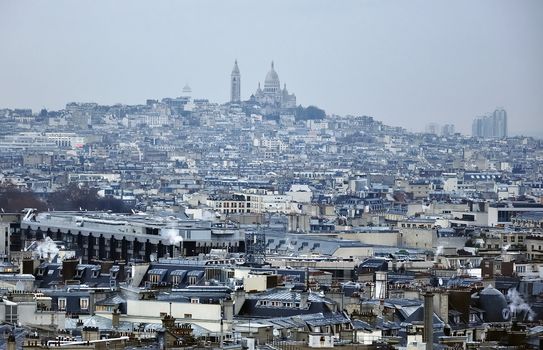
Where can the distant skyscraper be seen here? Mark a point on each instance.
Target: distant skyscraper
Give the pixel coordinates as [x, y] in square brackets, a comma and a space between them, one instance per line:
[235, 84]
[491, 126]
[432, 128]
[499, 119]
[447, 130]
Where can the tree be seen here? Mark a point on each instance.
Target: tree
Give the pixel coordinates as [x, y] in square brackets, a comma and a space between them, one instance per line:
[75, 197]
[310, 113]
[13, 199]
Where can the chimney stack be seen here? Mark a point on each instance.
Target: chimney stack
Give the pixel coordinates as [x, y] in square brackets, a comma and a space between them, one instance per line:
[304, 299]
[115, 318]
[428, 335]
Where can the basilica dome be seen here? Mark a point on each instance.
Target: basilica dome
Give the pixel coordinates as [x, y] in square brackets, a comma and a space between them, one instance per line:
[272, 84]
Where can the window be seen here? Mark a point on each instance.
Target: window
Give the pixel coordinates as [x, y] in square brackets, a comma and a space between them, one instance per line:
[84, 303]
[195, 300]
[188, 315]
[154, 278]
[62, 304]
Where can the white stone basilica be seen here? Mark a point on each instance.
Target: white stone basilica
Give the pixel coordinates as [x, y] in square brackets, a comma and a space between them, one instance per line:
[273, 95]
[271, 98]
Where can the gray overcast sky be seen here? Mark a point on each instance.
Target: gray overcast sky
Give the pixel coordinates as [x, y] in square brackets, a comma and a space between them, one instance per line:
[406, 63]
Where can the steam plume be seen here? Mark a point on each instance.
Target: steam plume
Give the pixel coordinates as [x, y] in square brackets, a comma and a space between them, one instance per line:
[172, 235]
[46, 249]
[517, 304]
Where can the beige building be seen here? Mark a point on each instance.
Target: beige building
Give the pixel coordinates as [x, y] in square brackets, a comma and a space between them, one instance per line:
[534, 247]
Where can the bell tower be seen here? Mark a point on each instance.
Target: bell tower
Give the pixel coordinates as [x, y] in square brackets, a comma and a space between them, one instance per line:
[235, 84]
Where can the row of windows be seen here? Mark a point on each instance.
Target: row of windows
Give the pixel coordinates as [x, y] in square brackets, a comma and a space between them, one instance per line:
[233, 205]
[155, 278]
[83, 303]
[513, 238]
[273, 303]
[416, 225]
[235, 211]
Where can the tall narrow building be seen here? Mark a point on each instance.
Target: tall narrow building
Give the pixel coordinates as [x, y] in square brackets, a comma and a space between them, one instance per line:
[235, 84]
[491, 126]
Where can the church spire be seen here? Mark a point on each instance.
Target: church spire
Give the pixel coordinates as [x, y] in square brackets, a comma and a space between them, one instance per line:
[235, 70]
[235, 84]
[272, 64]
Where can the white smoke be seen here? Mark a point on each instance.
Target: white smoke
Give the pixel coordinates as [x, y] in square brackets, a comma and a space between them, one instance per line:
[46, 249]
[439, 250]
[172, 235]
[517, 304]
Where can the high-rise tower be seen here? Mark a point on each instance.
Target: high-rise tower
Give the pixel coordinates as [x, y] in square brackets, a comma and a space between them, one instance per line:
[500, 123]
[235, 84]
[491, 126]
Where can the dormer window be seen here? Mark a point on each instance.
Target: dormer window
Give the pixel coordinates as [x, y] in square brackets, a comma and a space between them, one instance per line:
[84, 303]
[154, 278]
[195, 300]
[62, 304]
[95, 273]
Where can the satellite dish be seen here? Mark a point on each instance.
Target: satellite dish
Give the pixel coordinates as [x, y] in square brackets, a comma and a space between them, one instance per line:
[506, 313]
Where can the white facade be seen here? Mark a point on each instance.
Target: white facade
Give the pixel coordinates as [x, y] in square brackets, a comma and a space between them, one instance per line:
[207, 316]
[300, 193]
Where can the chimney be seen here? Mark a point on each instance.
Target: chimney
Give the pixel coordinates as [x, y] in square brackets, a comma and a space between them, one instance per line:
[304, 298]
[90, 333]
[12, 345]
[428, 335]
[69, 267]
[115, 318]
[121, 275]
[105, 266]
[28, 266]
[239, 300]
[168, 321]
[441, 305]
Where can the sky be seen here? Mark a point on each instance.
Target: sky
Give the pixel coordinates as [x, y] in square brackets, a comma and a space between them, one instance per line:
[406, 63]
